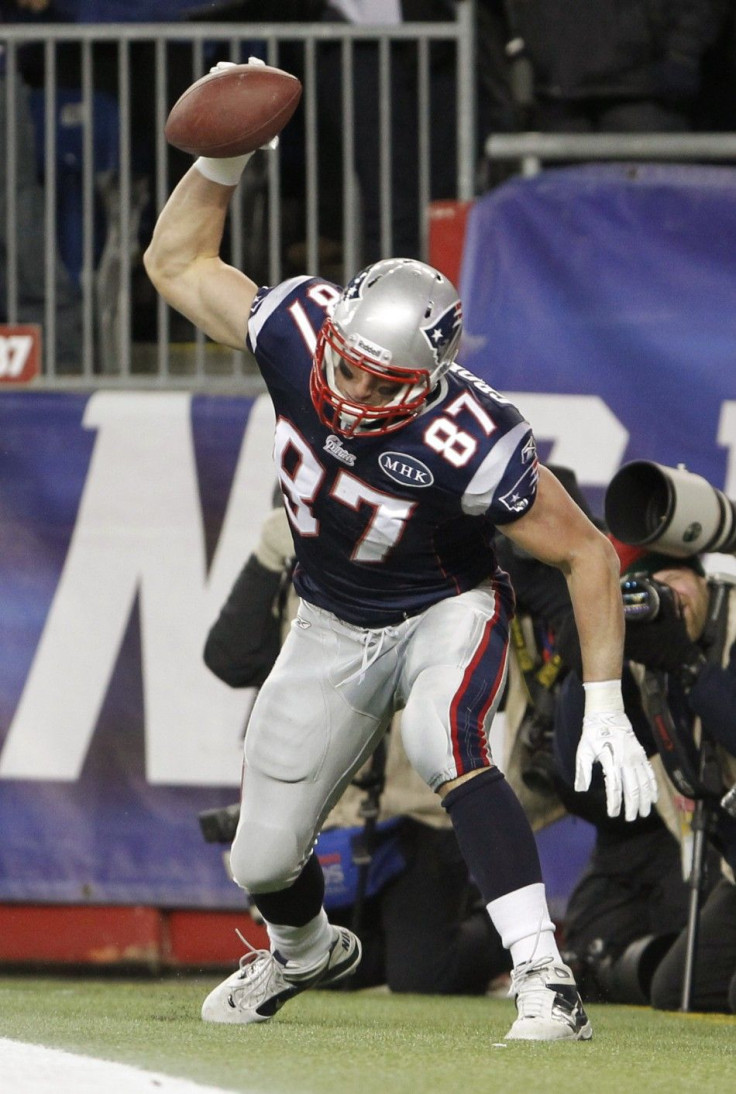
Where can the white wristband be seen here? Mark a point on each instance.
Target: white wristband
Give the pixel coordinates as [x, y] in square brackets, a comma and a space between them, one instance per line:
[603, 697]
[226, 171]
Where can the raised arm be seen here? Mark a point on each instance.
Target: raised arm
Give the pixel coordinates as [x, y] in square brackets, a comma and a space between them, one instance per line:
[183, 259]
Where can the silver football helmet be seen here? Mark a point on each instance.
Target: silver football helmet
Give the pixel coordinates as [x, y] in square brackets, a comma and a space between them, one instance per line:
[398, 320]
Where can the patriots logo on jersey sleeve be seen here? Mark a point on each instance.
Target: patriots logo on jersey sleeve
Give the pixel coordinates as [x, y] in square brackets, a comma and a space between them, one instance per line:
[519, 497]
[440, 333]
[259, 298]
[529, 451]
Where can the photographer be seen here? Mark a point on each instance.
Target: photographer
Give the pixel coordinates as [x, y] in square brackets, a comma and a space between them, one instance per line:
[693, 640]
[679, 691]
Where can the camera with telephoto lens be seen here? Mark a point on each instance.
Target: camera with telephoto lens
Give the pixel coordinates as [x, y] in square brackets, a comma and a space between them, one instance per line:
[670, 510]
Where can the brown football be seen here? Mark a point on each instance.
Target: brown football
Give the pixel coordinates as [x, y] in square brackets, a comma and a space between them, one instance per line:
[233, 110]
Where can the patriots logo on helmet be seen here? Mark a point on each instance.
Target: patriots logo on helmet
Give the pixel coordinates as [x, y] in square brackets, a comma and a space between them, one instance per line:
[441, 332]
[355, 287]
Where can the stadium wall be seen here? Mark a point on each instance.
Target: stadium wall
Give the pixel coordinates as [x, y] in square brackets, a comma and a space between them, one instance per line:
[599, 299]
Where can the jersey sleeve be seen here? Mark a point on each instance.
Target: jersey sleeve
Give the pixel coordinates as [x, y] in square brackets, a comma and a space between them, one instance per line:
[283, 327]
[504, 486]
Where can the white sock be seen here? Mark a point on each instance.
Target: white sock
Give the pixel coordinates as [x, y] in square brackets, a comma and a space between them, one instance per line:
[522, 919]
[305, 945]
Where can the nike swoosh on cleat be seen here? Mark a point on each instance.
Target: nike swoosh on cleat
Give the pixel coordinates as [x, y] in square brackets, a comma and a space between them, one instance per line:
[275, 1003]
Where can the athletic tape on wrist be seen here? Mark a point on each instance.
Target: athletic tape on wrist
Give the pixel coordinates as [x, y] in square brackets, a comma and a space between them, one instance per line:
[603, 697]
[226, 171]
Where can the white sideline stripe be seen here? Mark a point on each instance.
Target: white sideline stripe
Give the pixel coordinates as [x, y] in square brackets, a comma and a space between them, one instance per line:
[35, 1069]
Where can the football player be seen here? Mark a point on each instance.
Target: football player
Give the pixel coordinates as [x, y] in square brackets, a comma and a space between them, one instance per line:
[396, 465]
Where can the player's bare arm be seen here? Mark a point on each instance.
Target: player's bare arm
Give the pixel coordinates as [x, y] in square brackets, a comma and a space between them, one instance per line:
[227, 114]
[183, 261]
[556, 531]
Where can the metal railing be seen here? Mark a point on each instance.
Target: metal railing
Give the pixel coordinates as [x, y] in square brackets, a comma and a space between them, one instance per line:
[102, 201]
[531, 150]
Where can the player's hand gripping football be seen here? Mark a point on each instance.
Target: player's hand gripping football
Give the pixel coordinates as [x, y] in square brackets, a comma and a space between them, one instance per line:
[609, 740]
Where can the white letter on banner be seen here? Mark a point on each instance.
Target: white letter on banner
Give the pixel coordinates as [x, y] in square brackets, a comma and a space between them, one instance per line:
[587, 436]
[717, 562]
[139, 533]
[727, 438]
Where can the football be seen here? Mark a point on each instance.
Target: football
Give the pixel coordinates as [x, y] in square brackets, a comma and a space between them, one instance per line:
[233, 110]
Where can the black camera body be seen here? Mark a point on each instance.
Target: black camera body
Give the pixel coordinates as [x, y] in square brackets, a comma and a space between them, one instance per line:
[535, 734]
[219, 825]
[642, 597]
[538, 766]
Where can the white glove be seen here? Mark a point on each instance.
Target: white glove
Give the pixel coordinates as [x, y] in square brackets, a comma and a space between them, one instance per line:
[234, 64]
[609, 740]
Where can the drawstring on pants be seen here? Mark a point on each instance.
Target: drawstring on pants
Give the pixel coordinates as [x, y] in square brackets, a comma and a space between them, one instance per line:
[373, 642]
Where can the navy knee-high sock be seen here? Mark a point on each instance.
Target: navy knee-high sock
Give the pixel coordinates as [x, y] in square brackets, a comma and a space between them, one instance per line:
[494, 835]
[300, 903]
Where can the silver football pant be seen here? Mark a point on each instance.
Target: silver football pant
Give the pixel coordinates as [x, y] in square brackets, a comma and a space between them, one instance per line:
[331, 696]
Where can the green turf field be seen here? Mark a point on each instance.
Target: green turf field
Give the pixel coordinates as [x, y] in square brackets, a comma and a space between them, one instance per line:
[366, 1042]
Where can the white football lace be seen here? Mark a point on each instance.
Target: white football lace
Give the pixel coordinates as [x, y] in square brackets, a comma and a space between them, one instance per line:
[259, 970]
[532, 994]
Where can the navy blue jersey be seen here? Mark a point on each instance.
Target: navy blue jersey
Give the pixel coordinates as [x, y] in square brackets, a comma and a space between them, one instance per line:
[386, 526]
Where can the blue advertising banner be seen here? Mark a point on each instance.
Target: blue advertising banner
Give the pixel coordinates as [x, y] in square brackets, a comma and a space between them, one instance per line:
[124, 519]
[601, 300]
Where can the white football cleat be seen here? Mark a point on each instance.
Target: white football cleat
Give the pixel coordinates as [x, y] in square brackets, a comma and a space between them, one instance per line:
[265, 981]
[547, 1003]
